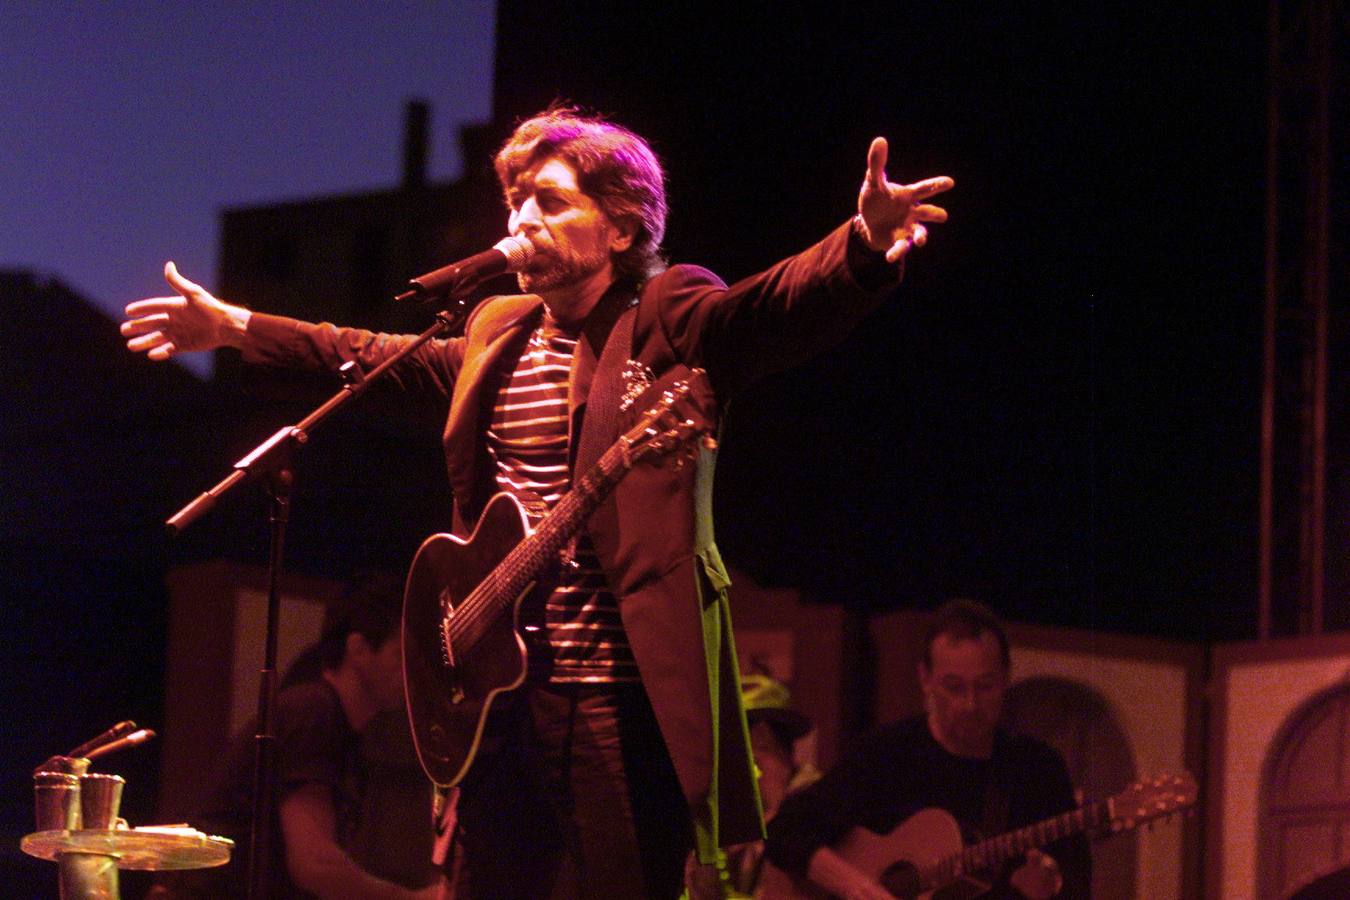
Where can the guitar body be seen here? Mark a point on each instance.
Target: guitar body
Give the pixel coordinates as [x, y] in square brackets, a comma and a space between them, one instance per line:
[448, 705]
[895, 858]
[461, 605]
[892, 859]
[923, 858]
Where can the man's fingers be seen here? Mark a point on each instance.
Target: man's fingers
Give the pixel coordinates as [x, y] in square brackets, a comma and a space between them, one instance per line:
[162, 352]
[876, 163]
[151, 306]
[144, 324]
[899, 250]
[146, 341]
[930, 186]
[927, 213]
[178, 282]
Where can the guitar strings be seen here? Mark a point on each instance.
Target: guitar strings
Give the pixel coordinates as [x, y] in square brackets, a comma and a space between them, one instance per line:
[470, 619]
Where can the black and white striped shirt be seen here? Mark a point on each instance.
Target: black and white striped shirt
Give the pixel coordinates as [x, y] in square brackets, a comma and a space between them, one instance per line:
[575, 635]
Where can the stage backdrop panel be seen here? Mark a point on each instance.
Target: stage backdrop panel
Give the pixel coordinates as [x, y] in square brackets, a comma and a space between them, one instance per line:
[1279, 797]
[814, 649]
[217, 623]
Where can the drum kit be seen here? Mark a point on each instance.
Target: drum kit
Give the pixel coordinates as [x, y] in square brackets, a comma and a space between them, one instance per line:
[78, 827]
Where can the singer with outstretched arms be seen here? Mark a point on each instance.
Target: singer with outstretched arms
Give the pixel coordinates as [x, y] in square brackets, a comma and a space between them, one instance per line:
[626, 745]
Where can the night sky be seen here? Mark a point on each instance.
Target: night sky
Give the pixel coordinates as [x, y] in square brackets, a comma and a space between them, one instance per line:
[129, 126]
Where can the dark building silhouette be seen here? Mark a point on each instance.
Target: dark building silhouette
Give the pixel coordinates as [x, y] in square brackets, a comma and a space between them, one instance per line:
[97, 447]
[1058, 413]
[343, 258]
[370, 482]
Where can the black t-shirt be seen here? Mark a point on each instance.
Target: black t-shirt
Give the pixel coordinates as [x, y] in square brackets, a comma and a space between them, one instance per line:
[900, 769]
[314, 743]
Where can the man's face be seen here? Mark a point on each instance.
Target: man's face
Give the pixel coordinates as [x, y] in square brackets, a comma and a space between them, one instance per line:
[964, 692]
[572, 236]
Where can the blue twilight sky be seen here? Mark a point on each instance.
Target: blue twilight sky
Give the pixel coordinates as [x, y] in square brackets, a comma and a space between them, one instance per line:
[129, 126]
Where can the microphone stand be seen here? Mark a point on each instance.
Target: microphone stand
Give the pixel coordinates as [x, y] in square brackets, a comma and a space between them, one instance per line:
[273, 461]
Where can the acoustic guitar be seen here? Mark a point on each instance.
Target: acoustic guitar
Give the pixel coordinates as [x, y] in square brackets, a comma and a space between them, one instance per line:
[462, 646]
[924, 853]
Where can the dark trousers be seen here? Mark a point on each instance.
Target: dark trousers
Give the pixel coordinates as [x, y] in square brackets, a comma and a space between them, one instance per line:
[573, 796]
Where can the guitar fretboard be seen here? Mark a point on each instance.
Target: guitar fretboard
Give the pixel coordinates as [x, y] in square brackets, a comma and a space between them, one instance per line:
[994, 852]
[513, 574]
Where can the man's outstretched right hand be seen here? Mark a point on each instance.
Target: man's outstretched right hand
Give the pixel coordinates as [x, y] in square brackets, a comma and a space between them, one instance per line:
[159, 327]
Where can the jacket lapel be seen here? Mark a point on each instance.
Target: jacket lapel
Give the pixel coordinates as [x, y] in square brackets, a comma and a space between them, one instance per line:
[594, 336]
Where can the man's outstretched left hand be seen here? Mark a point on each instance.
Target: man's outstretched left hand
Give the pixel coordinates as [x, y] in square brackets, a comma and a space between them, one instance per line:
[894, 215]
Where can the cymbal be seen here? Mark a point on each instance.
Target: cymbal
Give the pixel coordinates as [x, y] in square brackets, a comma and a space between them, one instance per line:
[143, 849]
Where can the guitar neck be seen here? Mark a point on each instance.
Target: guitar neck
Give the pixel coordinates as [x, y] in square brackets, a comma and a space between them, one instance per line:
[524, 563]
[665, 428]
[994, 852]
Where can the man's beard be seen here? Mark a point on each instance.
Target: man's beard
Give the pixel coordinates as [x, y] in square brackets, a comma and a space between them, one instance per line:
[549, 271]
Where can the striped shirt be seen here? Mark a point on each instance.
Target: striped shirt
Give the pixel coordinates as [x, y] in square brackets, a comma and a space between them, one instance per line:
[575, 634]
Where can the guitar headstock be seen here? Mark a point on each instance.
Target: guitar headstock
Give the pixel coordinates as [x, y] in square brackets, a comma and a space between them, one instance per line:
[1152, 798]
[672, 419]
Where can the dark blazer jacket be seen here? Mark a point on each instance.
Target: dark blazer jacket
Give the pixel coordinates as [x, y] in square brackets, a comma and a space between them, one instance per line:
[654, 533]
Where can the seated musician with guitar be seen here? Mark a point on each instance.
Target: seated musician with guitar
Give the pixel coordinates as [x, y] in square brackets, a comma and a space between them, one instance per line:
[909, 780]
[599, 742]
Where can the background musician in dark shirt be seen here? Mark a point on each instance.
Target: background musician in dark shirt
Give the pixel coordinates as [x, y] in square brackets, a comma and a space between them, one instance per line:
[954, 758]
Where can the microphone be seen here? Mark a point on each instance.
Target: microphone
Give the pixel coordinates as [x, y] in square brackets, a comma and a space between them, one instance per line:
[510, 254]
[139, 736]
[120, 730]
[73, 762]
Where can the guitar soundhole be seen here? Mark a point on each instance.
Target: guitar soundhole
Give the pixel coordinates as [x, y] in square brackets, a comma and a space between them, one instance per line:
[902, 880]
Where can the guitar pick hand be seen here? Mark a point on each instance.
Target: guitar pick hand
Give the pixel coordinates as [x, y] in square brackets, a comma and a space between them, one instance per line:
[1039, 877]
